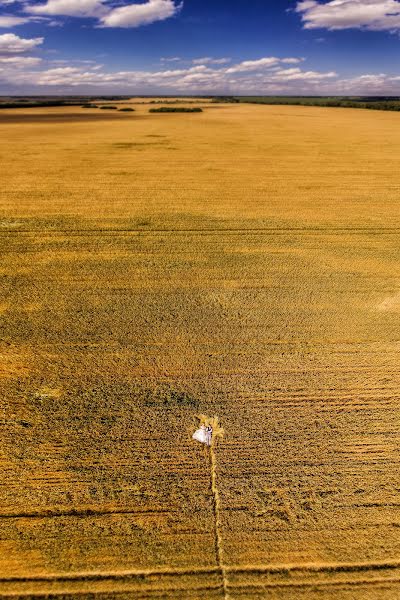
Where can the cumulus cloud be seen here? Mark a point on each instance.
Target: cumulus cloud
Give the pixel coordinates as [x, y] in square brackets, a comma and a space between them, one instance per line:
[12, 44]
[375, 15]
[135, 15]
[370, 84]
[108, 15]
[69, 8]
[253, 65]
[261, 63]
[298, 74]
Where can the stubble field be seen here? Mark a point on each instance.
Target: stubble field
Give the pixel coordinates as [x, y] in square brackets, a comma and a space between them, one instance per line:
[242, 262]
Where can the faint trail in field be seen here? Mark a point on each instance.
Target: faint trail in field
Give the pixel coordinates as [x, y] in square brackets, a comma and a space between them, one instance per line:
[340, 583]
[284, 568]
[89, 512]
[248, 579]
[318, 567]
[150, 583]
[102, 575]
[206, 230]
[217, 522]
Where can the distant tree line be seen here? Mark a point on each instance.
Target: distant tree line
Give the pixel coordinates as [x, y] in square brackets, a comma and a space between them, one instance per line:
[43, 102]
[36, 104]
[175, 109]
[109, 107]
[372, 103]
[176, 101]
[226, 99]
[367, 102]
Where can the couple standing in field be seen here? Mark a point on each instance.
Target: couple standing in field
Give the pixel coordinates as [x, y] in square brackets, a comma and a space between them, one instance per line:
[204, 435]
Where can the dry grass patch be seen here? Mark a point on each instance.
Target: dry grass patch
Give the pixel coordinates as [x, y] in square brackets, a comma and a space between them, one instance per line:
[251, 274]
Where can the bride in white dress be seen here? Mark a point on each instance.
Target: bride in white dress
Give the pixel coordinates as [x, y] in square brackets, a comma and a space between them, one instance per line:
[203, 435]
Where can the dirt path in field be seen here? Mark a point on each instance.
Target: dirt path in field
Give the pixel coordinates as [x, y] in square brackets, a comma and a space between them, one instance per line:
[219, 552]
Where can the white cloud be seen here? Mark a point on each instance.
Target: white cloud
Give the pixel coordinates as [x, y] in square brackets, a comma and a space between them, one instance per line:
[10, 21]
[171, 59]
[377, 84]
[261, 63]
[253, 65]
[135, 15]
[375, 15]
[208, 60]
[298, 74]
[292, 61]
[19, 61]
[12, 44]
[109, 15]
[69, 8]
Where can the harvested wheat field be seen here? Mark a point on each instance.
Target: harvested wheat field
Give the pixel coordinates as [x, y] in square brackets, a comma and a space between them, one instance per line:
[242, 262]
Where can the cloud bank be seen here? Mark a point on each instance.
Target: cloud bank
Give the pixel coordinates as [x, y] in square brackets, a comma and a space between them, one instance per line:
[22, 73]
[265, 75]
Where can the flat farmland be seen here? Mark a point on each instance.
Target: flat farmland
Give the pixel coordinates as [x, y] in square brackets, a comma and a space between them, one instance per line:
[242, 262]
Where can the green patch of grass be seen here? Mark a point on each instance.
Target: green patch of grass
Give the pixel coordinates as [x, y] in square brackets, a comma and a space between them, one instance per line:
[166, 396]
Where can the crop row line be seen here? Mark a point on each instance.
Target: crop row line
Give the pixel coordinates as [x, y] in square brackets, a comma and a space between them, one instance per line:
[272, 230]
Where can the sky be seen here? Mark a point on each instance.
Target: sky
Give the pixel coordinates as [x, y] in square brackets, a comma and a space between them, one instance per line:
[246, 47]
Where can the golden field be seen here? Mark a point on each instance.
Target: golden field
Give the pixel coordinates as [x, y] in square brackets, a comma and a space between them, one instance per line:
[242, 262]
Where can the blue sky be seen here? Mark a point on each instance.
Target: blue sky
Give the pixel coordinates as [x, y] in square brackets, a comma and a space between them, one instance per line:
[200, 46]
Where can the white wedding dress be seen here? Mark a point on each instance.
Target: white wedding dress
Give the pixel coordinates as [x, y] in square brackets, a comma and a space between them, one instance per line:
[203, 435]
